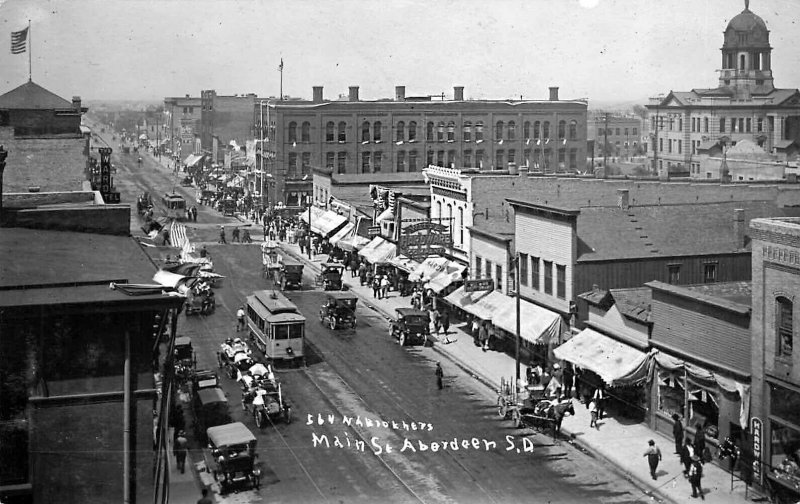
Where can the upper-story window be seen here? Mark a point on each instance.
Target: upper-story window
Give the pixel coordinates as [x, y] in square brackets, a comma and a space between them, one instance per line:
[479, 131]
[562, 129]
[329, 159]
[341, 162]
[760, 125]
[412, 161]
[292, 168]
[705, 125]
[784, 326]
[498, 130]
[401, 161]
[305, 167]
[537, 130]
[412, 131]
[573, 130]
[400, 131]
[305, 132]
[365, 131]
[512, 130]
[440, 131]
[292, 132]
[467, 131]
[429, 132]
[722, 125]
[376, 131]
[546, 129]
[342, 132]
[329, 137]
[451, 131]
[526, 130]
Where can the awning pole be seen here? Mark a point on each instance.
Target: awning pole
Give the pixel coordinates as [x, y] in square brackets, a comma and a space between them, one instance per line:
[516, 288]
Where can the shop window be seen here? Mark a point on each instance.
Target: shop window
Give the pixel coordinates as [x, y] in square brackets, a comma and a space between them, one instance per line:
[785, 404]
[784, 326]
[561, 281]
[671, 395]
[535, 273]
[305, 132]
[412, 131]
[548, 277]
[499, 276]
[523, 269]
[704, 410]
[785, 453]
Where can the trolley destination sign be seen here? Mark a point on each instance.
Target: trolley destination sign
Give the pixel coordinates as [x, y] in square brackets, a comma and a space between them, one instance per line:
[422, 239]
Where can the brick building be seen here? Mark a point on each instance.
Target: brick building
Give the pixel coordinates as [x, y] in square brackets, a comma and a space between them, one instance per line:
[744, 105]
[183, 119]
[615, 134]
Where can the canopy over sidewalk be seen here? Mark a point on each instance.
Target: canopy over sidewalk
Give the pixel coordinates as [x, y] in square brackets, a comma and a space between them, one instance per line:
[378, 251]
[613, 361]
[323, 222]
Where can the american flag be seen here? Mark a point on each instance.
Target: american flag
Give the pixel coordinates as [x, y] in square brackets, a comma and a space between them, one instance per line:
[19, 41]
[177, 235]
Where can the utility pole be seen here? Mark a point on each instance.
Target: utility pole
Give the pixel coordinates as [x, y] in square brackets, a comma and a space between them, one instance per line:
[517, 298]
[605, 148]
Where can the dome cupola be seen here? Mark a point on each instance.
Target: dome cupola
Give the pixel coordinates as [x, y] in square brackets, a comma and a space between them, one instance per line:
[746, 65]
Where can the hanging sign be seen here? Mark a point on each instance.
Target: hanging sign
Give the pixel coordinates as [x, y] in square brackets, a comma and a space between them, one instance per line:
[422, 239]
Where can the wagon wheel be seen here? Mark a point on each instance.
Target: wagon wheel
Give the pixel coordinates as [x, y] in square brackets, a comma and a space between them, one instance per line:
[402, 339]
[332, 323]
[516, 417]
[502, 407]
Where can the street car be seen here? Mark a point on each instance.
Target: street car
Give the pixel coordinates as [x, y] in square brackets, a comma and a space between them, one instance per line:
[410, 326]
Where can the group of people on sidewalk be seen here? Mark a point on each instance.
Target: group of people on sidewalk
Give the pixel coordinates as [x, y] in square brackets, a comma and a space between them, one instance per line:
[692, 453]
[237, 235]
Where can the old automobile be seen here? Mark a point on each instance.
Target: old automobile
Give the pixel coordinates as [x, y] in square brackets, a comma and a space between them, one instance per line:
[410, 326]
[231, 457]
[331, 276]
[339, 311]
[210, 407]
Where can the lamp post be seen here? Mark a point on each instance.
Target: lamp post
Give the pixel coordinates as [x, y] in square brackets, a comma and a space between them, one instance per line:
[517, 299]
[310, 201]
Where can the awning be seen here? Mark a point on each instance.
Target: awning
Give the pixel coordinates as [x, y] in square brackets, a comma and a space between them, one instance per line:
[192, 159]
[353, 241]
[323, 222]
[404, 263]
[378, 251]
[429, 268]
[386, 215]
[615, 362]
[342, 233]
[539, 325]
[451, 273]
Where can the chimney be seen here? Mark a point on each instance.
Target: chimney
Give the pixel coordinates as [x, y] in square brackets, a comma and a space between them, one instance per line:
[623, 198]
[76, 103]
[353, 93]
[399, 93]
[523, 170]
[554, 93]
[187, 96]
[458, 93]
[317, 94]
[739, 225]
[512, 169]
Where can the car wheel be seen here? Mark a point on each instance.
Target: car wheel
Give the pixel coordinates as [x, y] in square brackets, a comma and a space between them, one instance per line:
[402, 339]
[502, 410]
[332, 323]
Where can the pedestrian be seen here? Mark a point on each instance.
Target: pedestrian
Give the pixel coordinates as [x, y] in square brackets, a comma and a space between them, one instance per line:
[600, 399]
[376, 287]
[235, 235]
[593, 414]
[569, 378]
[362, 273]
[222, 235]
[181, 449]
[653, 454]
[384, 286]
[700, 442]
[445, 317]
[483, 336]
[354, 268]
[677, 433]
[240, 326]
[687, 451]
[476, 331]
[205, 499]
[696, 477]
[435, 319]
[302, 243]
[439, 375]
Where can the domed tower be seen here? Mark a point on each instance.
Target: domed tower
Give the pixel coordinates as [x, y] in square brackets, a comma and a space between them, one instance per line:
[746, 53]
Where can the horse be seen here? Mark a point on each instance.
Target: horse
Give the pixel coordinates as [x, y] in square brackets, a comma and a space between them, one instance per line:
[554, 412]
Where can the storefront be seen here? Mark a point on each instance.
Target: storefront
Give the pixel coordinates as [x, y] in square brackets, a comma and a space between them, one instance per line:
[783, 472]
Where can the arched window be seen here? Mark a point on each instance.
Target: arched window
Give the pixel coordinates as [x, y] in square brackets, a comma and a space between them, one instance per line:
[512, 130]
[401, 161]
[412, 131]
[741, 62]
[376, 131]
[573, 130]
[440, 131]
[467, 131]
[451, 158]
[429, 132]
[546, 129]
[784, 327]
[451, 131]
[342, 133]
[479, 131]
[329, 131]
[498, 130]
[365, 131]
[526, 130]
[461, 226]
[305, 132]
[400, 131]
[438, 209]
[562, 129]
[292, 132]
[537, 130]
[449, 222]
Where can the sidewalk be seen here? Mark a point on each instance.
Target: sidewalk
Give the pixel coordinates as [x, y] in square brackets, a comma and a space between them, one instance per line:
[618, 442]
[184, 488]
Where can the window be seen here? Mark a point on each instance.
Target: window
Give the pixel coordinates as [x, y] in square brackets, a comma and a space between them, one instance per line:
[479, 159]
[376, 131]
[680, 124]
[573, 130]
[429, 132]
[376, 161]
[305, 132]
[722, 125]
[562, 130]
[741, 125]
[498, 130]
[512, 130]
[401, 161]
[429, 158]
[488, 268]
[329, 159]
[329, 131]
[535, 273]
[365, 159]
[306, 163]
[680, 146]
[660, 145]
[412, 161]
[451, 158]
[573, 159]
[709, 273]
[341, 161]
[759, 125]
[749, 125]
[784, 326]
[526, 130]
[400, 131]
[291, 170]
[562, 156]
[536, 130]
[412, 131]
[365, 131]
[499, 159]
[561, 281]
[468, 159]
[512, 156]
[477, 266]
[467, 131]
[499, 276]
[479, 131]
[342, 132]
[523, 269]
[617, 129]
[546, 129]
[460, 225]
[548, 277]
[292, 132]
[440, 158]
[451, 131]
[440, 131]
[705, 124]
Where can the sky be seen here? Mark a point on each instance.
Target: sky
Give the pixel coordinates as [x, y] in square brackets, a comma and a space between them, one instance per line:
[603, 50]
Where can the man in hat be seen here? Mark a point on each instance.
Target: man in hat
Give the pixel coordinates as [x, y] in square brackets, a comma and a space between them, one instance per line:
[181, 449]
[653, 455]
[696, 476]
[439, 375]
[222, 235]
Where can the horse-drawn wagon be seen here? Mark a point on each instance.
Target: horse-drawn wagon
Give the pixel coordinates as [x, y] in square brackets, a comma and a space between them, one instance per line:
[527, 407]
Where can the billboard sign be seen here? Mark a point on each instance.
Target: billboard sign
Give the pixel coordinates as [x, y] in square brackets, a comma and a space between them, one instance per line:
[483, 284]
[423, 239]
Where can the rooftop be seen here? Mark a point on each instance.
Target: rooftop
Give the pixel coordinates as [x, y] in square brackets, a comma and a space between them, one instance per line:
[32, 96]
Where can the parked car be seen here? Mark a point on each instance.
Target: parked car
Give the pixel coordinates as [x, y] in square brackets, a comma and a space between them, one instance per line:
[231, 456]
[411, 326]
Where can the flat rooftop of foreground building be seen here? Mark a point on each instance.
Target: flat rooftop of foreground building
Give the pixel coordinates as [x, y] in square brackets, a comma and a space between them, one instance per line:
[732, 296]
[784, 225]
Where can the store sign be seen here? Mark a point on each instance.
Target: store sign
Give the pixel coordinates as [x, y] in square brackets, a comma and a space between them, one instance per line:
[756, 427]
[484, 284]
[106, 184]
[422, 239]
[373, 231]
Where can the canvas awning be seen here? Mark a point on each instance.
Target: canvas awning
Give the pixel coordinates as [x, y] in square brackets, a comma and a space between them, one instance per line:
[428, 268]
[349, 227]
[378, 251]
[386, 215]
[613, 361]
[451, 273]
[353, 241]
[404, 263]
[192, 159]
[323, 222]
[539, 325]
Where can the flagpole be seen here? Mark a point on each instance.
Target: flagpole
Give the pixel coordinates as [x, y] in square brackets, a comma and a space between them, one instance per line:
[30, 50]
